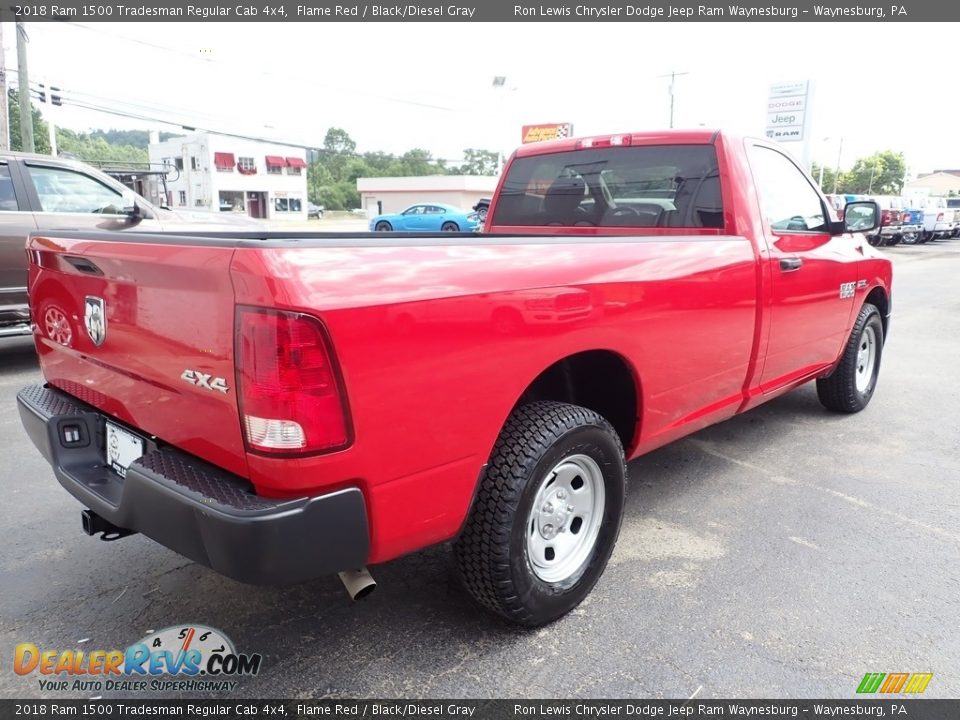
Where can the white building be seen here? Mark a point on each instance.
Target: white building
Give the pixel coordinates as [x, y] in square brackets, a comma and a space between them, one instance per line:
[235, 175]
[939, 182]
[380, 195]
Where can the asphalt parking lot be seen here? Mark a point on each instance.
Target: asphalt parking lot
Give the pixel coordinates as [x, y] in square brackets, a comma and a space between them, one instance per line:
[784, 553]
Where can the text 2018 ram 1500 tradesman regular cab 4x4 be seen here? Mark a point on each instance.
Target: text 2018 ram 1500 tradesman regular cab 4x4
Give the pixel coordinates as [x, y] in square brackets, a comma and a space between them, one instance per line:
[280, 407]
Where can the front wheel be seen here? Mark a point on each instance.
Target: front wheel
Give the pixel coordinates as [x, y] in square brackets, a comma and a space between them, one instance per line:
[547, 513]
[383, 226]
[850, 386]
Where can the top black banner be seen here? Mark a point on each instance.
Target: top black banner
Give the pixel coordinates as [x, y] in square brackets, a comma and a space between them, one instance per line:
[482, 11]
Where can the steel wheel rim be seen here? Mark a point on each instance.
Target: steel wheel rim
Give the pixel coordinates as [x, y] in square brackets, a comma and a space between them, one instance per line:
[866, 358]
[57, 326]
[564, 522]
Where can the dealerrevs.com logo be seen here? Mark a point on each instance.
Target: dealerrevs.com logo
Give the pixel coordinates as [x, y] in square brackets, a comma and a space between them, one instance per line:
[177, 658]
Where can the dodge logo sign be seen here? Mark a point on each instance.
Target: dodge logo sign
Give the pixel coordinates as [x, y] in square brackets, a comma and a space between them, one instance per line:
[95, 318]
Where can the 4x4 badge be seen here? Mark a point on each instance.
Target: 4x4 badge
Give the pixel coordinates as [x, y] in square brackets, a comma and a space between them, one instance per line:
[95, 319]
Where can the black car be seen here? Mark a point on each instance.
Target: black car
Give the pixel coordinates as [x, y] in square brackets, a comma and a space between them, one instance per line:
[481, 208]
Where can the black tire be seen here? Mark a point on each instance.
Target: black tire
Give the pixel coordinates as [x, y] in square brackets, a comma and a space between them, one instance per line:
[450, 227]
[383, 226]
[492, 549]
[839, 391]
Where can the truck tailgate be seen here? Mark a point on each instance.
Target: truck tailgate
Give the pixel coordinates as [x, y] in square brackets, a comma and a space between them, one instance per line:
[143, 332]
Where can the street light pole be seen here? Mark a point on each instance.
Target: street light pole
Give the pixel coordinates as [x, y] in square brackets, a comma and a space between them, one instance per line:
[836, 175]
[820, 180]
[673, 78]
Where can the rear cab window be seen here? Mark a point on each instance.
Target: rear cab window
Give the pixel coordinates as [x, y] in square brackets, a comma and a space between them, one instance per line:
[647, 186]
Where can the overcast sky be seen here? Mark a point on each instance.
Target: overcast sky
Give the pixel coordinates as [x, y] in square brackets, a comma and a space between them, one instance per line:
[395, 86]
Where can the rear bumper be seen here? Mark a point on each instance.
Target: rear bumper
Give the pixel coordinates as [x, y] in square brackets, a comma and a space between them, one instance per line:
[891, 230]
[194, 508]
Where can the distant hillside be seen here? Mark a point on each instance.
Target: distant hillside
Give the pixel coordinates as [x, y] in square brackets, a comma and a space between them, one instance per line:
[134, 138]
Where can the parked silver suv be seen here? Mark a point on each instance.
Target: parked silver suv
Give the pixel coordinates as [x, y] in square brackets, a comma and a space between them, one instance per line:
[38, 192]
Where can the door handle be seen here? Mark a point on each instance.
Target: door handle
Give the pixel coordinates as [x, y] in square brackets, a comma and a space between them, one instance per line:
[790, 264]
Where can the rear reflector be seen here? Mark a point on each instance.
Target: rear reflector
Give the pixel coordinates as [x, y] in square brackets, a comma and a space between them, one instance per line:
[291, 398]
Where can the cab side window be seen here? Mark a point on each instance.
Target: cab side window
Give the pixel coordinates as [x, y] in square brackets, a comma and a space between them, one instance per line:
[787, 199]
[8, 198]
[66, 191]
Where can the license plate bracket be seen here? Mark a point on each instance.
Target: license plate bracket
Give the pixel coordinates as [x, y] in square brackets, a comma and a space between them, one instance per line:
[122, 448]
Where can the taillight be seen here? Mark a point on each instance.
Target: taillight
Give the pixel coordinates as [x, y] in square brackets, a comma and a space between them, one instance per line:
[290, 395]
[939, 217]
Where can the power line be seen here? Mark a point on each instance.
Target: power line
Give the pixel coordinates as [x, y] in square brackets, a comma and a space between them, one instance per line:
[265, 73]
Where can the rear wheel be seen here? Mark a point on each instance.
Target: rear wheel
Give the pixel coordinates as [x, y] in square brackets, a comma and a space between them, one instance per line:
[547, 513]
[383, 226]
[450, 227]
[850, 386]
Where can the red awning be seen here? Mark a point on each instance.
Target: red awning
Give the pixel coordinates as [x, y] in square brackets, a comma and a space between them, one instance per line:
[295, 162]
[275, 161]
[224, 160]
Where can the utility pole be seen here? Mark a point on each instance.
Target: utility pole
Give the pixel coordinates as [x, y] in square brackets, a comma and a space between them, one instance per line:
[26, 116]
[673, 78]
[4, 121]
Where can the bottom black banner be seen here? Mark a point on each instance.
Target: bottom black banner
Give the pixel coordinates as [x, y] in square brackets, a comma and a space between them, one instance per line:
[486, 709]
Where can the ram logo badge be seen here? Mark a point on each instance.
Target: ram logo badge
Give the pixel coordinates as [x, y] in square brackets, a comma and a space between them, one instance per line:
[847, 290]
[95, 319]
[203, 380]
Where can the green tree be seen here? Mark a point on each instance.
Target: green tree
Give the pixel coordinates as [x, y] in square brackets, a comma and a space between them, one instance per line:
[879, 174]
[338, 142]
[94, 148]
[41, 133]
[831, 179]
[419, 162]
[479, 162]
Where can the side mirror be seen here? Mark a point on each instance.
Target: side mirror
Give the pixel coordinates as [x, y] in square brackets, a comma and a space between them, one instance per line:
[131, 208]
[858, 217]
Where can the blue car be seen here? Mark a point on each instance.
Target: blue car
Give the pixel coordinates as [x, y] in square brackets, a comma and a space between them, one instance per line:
[427, 217]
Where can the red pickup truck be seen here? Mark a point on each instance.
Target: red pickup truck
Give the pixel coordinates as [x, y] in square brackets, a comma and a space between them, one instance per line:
[281, 406]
